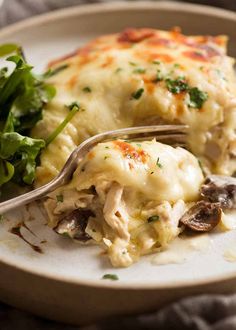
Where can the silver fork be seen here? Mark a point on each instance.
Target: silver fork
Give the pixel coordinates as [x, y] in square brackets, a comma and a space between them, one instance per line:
[171, 134]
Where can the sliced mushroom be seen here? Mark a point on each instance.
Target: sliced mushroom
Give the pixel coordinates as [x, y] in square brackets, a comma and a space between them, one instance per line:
[220, 189]
[203, 216]
[74, 224]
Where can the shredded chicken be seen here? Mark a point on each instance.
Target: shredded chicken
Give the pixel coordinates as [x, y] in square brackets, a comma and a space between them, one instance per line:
[114, 211]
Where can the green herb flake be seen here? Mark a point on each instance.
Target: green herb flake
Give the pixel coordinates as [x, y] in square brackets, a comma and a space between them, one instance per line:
[106, 157]
[118, 70]
[132, 63]
[1, 217]
[65, 234]
[59, 198]
[176, 65]
[139, 70]
[177, 86]
[156, 62]
[153, 218]
[136, 95]
[159, 76]
[112, 277]
[87, 89]
[152, 172]
[94, 230]
[197, 98]
[158, 163]
[106, 147]
[138, 145]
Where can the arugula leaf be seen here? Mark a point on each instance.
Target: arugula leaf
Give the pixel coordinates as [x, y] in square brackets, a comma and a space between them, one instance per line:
[9, 90]
[7, 49]
[3, 75]
[23, 95]
[73, 107]
[6, 171]
[21, 152]
[52, 72]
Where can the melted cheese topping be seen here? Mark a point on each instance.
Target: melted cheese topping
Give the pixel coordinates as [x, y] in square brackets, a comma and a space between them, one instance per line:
[154, 170]
[137, 193]
[121, 80]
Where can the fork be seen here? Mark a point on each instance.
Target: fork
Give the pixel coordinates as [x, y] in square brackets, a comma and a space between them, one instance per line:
[174, 135]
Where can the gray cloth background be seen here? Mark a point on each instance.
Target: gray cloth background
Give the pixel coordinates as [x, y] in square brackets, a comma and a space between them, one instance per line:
[206, 312]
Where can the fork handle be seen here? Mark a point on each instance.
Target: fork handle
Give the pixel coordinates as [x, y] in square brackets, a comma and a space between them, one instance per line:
[29, 197]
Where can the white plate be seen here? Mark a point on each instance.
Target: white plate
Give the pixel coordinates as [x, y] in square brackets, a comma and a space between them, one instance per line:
[65, 282]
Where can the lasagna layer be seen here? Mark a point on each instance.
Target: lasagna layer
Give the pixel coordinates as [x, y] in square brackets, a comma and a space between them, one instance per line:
[127, 196]
[141, 77]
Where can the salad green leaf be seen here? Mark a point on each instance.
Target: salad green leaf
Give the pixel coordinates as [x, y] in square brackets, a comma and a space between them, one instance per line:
[23, 95]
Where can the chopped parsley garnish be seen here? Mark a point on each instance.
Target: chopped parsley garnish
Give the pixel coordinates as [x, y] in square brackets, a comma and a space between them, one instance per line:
[73, 107]
[159, 76]
[87, 89]
[59, 198]
[106, 147]
[136, 95]
[118, 70]
[156, 62]
[106, 157]
[177, 86]
[176, 65]
[132, 63]
[66, 234]
[139, 70]
[197, 97]
[138, 145]
[112, 277]
[152, 172]
[153, 218]
[158, 163]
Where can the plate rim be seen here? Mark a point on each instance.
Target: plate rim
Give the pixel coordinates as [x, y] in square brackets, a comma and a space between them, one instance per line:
[122, 5]
[80, 10]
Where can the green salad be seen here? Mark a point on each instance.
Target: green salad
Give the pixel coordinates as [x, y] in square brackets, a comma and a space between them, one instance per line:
[23, 96]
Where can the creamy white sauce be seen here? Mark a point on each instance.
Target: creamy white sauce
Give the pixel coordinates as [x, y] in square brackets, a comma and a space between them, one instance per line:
[230, 254]
[228, 221]
[182, 249]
